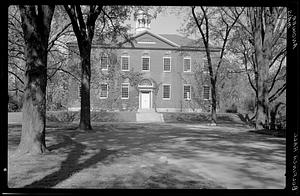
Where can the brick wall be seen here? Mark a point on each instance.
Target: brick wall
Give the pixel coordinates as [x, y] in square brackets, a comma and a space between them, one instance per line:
[114, 77]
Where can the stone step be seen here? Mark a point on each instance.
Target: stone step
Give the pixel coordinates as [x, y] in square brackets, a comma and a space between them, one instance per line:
[146, 110]
[149, 117]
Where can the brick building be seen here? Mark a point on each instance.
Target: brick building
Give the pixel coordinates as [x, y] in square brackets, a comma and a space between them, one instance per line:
[163, 73]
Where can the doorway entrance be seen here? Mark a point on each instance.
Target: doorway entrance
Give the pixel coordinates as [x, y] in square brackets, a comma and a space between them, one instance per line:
[145, 100]
[145, 95]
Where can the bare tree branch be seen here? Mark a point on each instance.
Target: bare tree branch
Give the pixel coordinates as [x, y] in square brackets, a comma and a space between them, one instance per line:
[51, 44]
[199, 24]
[227, 31]
[65, 71]
[16, 89]
[71, 12]
[277, 93]
[206, 22]
[278, 71]
[16, 76]
[79, 17]
[16, 65]
[282, 52]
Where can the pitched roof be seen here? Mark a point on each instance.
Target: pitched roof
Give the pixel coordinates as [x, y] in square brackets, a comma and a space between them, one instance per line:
[173, 39]
[157, 36]
[182, 41]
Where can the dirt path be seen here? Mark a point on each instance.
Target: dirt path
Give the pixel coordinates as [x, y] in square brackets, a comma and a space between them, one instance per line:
[131, 155]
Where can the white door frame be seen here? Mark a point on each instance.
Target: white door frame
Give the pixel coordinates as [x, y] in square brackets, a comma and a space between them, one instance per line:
[150, 91]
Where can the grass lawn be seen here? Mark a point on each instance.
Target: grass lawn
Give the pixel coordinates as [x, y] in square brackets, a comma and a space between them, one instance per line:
[132, 155]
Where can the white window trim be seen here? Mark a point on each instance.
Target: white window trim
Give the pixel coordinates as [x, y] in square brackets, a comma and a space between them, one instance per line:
[78, 89]
[190, 70]
[106, 91]
[105, 55]
[149, 63]
[167, 57]
[163, 92]
[127, 88]
[190, 92]
[128, 63]
[203, 68]
[209, 94]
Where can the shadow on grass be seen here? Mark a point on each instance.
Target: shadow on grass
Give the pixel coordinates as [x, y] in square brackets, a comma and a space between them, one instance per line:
[245, 148]
[177, 141]
[163, 177]
[69, 166]
[275, 133]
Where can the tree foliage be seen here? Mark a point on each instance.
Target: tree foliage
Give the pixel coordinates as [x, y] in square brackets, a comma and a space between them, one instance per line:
[60, 34]
[260, 43]
[84, 22]
[214, 28]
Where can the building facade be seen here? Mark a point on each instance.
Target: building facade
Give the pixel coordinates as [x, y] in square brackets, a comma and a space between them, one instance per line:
[163, 73]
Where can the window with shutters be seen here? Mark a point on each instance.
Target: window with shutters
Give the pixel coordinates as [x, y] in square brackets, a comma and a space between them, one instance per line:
[104, 62]
[187, 64]
[125, 91]
[125, 63]
[206, 92]
[167, 91]
[167, 64]
[145, 63]
[187, 92]
[103, 91]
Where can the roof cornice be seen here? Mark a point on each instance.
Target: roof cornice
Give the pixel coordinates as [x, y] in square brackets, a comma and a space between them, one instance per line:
[157, 36]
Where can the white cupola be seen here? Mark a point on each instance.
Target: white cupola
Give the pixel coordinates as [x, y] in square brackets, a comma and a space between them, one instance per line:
[143, 21]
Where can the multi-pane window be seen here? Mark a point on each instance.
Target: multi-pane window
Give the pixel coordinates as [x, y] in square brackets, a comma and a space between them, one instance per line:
[187, 64]
[104, 62]
[206, 92]
[125, 63]
[205, 66]
[166, 91]
[145, 63]
[103, 91]
[167, 63]
[125, 91]
[187, 92]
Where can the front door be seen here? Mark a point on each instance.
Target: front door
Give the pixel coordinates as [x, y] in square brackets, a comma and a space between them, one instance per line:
[145, 100]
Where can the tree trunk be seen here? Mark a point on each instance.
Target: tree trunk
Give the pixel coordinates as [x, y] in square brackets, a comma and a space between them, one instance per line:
[85, 113]
[34, 113]
[273, 113]
[213, 86]
[263, 42]
[213, 103]
[36, 28]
